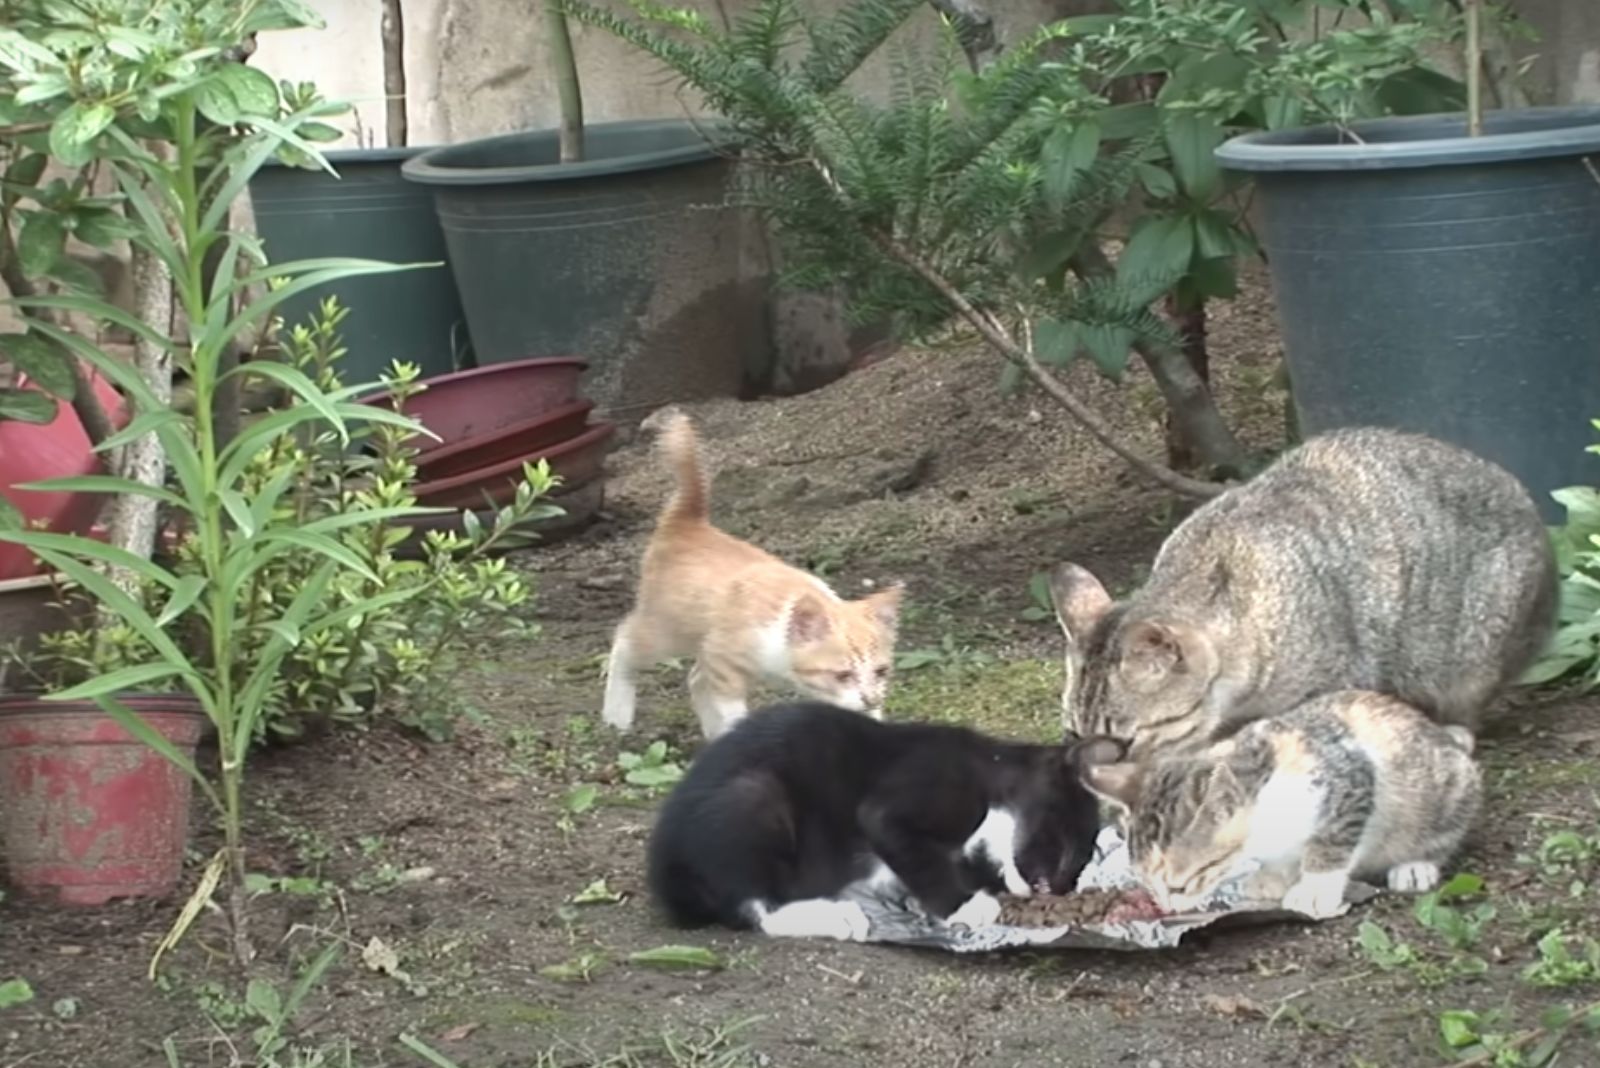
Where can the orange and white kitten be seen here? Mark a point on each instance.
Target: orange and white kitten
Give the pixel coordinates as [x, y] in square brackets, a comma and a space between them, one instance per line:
[742, 614]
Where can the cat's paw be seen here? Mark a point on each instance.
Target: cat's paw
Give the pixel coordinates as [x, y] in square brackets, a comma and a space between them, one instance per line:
[843, 921]
[1318, 895]
[1417, 877]
[980, 910]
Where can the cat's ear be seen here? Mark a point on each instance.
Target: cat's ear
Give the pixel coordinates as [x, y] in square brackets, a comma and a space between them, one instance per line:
[1079, 600]
[808, 620]
[1152, 652]
[1116, 783]
[885, 605]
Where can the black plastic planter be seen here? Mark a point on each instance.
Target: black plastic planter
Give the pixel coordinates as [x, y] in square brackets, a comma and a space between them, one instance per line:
[1441, 283]
[629, 258]
[369, 212]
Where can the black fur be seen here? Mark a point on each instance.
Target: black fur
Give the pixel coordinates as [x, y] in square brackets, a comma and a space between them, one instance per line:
[798, 801]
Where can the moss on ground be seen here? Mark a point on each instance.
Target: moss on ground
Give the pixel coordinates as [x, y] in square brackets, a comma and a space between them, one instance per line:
[1018, 699]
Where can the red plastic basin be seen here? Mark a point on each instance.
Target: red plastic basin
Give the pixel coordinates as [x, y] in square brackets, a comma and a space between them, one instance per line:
[32, 452]
[486, 400]
[518, 439]
[88, 812]
[578, 462]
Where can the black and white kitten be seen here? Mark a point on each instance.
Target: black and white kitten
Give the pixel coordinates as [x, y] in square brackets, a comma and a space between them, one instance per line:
[775, 819]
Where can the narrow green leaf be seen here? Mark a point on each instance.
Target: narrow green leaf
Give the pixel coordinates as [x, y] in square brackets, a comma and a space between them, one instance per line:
[102, 310]
[322, 545]
[122, 374]
[183, 597]
[40, 541]
[253, 694]
[426, 1052]
[45, 365]
[302, 386]
[114, 599]
[131, 722]
[138, 427]
[695, 957]
[120, 681]
[10, 518]
[153, 232]
[109, 484]
[238, 511]
[328, 524]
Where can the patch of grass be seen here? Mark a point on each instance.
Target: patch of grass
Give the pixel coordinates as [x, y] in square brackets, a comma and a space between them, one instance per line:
[1018, 699]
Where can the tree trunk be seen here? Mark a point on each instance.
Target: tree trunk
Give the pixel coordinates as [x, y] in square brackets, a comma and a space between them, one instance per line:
[130, 519]
[1182, 455]
[394, 72]
[1191, 407]
[564, 67]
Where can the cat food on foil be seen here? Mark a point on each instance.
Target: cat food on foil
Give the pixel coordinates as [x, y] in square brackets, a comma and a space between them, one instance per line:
[1109, 911]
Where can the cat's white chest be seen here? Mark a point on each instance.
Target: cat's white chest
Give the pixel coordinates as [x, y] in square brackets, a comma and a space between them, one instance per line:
[1284, 819]
[996, 839]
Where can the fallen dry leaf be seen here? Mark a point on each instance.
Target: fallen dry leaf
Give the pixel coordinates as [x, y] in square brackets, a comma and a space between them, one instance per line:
[379, 956]
[457, 1033]
[1239, 1008]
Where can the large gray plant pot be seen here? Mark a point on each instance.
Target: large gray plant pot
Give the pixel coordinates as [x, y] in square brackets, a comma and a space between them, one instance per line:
[629, 259]
[1439, 283]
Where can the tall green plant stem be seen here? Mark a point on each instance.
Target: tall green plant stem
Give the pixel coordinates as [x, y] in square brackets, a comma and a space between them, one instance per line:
[204, 356]
[565, 65]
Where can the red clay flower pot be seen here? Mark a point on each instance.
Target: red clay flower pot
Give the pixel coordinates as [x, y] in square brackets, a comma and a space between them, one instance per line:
[32, 452]
[488, 399]
[578, 461]
[89, 813]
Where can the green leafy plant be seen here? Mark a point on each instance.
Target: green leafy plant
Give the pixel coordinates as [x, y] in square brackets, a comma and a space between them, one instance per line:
[1574, 649]
[654, 769]
[181, 147]
[403, 656]
[15, 992]
[1558, 966]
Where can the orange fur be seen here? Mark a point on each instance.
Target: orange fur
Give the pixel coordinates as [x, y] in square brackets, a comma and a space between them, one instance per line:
[742, 614]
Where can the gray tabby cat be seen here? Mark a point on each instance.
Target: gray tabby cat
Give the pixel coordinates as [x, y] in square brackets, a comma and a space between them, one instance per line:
[1365, 558]
[1348, 785]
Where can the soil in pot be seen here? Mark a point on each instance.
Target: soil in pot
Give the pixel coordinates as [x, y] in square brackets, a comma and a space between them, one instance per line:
[88, 813]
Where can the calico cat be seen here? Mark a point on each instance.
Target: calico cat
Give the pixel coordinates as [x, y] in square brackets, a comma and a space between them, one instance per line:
[1347, 785]
[784, 815]
[743, 614]
[1365, 558]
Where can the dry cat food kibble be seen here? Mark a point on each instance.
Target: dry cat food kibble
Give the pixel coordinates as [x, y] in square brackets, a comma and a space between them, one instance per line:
[1086, 908]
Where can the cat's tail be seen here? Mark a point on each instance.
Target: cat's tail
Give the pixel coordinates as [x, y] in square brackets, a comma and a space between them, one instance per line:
[691, 498]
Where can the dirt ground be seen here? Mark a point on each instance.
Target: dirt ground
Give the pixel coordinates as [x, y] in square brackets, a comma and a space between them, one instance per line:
[447, 872]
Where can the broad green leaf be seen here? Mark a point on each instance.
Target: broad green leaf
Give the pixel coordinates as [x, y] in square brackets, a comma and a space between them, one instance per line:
[1108, 346]
[1123, 122]
[1157, 181]
[14, 992]
[1191, 140]
[24, 173]
[214, 99]
[44, 364]
[1213, 235]
[120, 681]
[581, 799]
[1214, 279]
[101, 227]
[1458, 1028]
[1067, 154]
[253, 92]
[1055, 343]
[73, 133]
[27, 406]
[1157, 254]
[40, 242]
[262, 999]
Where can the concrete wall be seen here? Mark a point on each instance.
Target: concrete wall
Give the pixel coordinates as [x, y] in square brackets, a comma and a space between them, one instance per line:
[478, 67]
